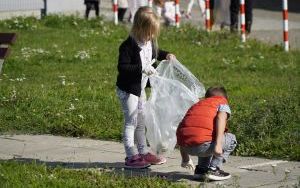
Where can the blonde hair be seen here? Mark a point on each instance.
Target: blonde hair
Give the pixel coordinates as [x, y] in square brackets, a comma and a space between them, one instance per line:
[146, 25]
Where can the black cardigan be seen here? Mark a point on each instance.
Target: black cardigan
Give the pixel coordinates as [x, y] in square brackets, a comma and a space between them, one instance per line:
[130, 66]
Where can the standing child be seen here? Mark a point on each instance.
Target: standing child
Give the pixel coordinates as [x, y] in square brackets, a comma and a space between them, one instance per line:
[234, 12]
[203, 133]
[136, 56]
[122, 7]
[201, 4]
[90, 5]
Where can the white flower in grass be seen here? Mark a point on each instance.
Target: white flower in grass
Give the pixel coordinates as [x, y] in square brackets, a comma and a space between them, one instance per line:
[63, 82]
[82, 55]
[81, 116]
[51, 176]
[72, 107]
[76, 99]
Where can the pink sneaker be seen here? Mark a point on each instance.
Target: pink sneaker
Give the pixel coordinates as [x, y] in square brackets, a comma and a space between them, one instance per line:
[136, 162]
[153, 159]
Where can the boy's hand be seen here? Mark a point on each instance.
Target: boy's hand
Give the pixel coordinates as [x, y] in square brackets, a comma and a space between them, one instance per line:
[188, 165]
[218, 151]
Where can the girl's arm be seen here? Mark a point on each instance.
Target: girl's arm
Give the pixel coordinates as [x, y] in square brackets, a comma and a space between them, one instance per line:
[221, 121]
[124, 64]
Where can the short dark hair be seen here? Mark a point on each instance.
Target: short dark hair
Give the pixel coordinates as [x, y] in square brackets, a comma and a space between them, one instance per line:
[216, 91]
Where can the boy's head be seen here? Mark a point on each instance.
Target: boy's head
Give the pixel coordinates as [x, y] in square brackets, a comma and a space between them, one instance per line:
[216, 91]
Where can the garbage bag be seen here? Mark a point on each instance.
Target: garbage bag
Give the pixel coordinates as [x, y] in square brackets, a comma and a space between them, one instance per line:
[174, 70]
[173, 91]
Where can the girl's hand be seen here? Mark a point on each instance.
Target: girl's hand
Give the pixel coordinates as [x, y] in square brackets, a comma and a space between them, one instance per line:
[149, 70]
[171, 56]
[218, 150]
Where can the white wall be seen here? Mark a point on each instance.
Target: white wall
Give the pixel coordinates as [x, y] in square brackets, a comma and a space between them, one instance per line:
[15, 5]
[59, 6]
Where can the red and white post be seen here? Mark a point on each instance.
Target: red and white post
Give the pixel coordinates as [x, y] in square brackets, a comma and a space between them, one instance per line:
[243, 20]
[150, 3]
[207, 15]
[285, 25]
[115, 11]
[177, 13]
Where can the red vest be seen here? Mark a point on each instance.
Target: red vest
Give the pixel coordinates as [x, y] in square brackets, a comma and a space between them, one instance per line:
[197, 126]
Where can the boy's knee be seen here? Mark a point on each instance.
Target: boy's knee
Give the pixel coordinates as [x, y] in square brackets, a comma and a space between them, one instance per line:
[230, 141]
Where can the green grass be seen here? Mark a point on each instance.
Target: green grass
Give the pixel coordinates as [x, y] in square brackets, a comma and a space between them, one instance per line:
[46, 87]
[13, 174]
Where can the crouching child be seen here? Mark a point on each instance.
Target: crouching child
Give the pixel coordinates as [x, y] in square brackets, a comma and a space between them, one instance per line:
[203, 133]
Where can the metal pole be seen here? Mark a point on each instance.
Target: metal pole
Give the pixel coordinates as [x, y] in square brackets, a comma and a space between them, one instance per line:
[177, 13]
[207, 15]
[285, 25]
[115, 11]
[243, 20]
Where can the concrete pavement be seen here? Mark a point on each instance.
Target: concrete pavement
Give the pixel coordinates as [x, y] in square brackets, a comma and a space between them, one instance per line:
[267, 21]
[87, 153]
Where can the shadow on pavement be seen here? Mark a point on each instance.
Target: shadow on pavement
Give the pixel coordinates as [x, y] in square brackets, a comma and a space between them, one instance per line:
[273, 5]
[117, 167]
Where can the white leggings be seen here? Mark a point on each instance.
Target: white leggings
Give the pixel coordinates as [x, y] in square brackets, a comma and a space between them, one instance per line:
[134, 126]
[201, 4]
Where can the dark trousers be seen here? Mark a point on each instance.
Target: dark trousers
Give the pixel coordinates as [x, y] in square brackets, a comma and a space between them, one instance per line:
[234, 12]
[90, 6]
[121, 13]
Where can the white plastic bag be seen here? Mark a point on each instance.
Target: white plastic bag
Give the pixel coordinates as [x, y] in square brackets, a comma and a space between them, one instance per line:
[173, 91]
[174, 70]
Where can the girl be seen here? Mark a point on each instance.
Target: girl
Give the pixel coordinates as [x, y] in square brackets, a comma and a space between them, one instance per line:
[201, 4]
[136, 55]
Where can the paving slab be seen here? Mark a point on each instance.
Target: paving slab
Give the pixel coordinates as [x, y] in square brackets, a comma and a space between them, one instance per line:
[80, 153]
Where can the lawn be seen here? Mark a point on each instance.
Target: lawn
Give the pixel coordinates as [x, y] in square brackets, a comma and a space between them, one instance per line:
[13, 174]
[60, 79]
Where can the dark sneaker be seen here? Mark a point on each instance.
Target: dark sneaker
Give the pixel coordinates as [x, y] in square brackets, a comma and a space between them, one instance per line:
[217, 175]
[200, 173]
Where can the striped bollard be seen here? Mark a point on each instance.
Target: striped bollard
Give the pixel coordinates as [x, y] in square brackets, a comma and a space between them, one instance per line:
[177, 13]
[115, 11]
[207, 15]
[285, 25]
[150, 3]
[243, 20]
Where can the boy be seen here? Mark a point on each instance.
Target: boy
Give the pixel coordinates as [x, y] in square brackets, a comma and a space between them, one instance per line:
[203, 133]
